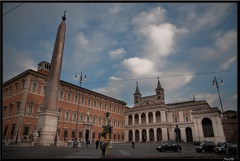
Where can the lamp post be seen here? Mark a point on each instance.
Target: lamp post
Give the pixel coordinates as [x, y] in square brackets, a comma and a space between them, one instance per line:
[75, 144]
[81, 80]
[16, 141]
[215, 83]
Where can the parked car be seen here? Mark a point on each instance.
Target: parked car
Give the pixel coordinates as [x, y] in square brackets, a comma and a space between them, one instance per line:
[170, 146]
[222, 149]
[233, 149]
[198, 142]
[206, 147]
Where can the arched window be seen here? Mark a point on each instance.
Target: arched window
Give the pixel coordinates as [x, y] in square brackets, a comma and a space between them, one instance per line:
[34, 87]
[43, 90]
[207, 128]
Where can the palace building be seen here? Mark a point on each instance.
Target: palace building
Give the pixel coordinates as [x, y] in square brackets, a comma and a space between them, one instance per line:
[23, 98]
[151, 120]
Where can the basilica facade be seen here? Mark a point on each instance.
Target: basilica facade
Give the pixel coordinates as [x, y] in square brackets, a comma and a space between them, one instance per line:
[151, 120]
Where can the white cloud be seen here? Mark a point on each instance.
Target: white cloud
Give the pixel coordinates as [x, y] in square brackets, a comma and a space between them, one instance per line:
[155, 16]
[138, 66]
[160, 39]
[116, 53]
[115, 78]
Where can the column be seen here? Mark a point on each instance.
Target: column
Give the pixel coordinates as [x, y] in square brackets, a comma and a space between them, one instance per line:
[140, 120]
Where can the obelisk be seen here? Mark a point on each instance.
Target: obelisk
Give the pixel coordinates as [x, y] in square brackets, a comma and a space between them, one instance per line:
[48, 118]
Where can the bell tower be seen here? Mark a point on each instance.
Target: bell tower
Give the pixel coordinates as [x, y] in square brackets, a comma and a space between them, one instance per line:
[137, 95]
[160, 92]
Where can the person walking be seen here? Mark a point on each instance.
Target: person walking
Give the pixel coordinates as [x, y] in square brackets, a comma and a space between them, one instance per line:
[87, 142]
[97, 143]
[104, 144]
[101, 144]
[110, 144]
[133, 144]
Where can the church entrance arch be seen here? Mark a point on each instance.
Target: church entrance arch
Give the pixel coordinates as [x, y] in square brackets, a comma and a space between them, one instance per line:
[177, 134]
[137, 136]
[144, 135]
[87, 135]
[159, 134]
[151, 135]
[189, 136]
[130, 135]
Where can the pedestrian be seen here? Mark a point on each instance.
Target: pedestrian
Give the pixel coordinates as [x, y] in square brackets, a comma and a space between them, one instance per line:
[104, 144]
[97, 142]
[101, 144]
[110, 144]
[133, 144]
[87, 142]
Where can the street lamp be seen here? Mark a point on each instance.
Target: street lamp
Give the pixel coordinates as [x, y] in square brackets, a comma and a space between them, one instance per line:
[75, 144]
[16, 141]
[215, 83]
[81, 80]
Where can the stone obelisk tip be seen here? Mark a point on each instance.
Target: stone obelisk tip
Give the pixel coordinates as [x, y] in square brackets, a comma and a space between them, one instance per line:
[64, 16]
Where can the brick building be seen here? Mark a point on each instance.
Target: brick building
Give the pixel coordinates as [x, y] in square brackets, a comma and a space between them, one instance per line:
[23, 97]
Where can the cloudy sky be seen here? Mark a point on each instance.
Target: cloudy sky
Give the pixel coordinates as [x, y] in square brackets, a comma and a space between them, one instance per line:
[118, 44]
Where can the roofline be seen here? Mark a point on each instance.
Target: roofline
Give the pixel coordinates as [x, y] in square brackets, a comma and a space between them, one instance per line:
[30, 71]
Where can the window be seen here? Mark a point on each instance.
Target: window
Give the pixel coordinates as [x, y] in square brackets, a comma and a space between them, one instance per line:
[75, 116]
[29, 109]
[79, 134]
[18, 107]
[100, 105]
[10, 90]
[6, 92]
[99, 121]
[43, 90]
[73, 134]
[61, 95]
[26, 130]
[93, 135]
[186, 118]
[10, 111]
[110, 107]
[68, 96]
[94, 119]
[5, 130]
[40, 109]
[89, 102]
[34, 87]
[65, 134]
[175, 119]
[16, 87]
[4, 110]
[67, 115]
[105, 106]
[87, 118]
[76, 99]
[81, 118]
[12, 130]
[23, 83]
[82, 100]
[95, 103]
